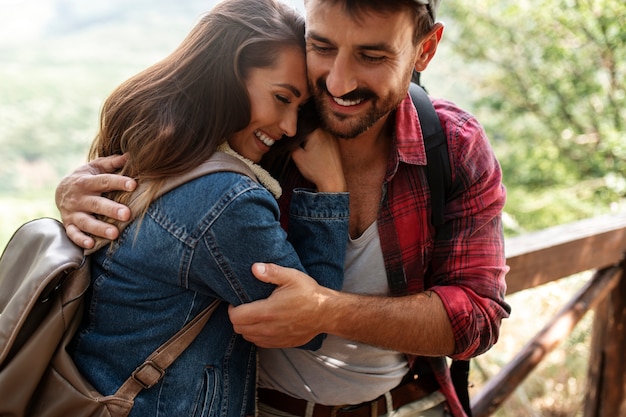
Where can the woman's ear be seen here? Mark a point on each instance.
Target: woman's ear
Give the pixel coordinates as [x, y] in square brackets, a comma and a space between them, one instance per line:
[428, 47]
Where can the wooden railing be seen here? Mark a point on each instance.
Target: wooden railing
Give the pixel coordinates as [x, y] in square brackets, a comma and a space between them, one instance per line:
[535, 259]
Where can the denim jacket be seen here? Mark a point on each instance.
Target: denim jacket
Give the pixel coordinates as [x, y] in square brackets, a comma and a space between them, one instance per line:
[195, 244]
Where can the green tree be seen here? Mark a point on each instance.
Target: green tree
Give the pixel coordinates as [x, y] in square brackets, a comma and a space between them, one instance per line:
[553, 80]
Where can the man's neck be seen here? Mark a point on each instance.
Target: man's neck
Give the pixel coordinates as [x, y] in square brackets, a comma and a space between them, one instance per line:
[364, 160]
[368, 149]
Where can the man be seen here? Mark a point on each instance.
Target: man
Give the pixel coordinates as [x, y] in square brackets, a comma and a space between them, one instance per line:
[409, 300]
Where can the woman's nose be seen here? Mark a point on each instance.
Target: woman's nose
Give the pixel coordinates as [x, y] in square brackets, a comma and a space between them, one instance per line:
[289, 123]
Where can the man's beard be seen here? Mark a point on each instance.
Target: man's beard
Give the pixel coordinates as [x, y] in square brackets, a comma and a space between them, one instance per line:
[349, 126]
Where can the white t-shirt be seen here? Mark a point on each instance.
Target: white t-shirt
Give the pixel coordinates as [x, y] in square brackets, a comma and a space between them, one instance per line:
[341, 371]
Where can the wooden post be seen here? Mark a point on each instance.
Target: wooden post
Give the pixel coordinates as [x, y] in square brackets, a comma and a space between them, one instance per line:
[546, 256]
[606, 381]
[500, 387]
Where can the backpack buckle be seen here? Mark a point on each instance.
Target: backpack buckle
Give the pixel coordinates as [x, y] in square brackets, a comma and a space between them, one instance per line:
[148, 374]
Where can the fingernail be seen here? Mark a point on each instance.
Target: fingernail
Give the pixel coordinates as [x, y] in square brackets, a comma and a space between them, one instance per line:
[262, 268]
[121, 214]
[109, 232]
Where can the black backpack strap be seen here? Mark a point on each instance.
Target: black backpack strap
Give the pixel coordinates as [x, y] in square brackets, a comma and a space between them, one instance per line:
[438, 162]
[438, 172]
[459, 372]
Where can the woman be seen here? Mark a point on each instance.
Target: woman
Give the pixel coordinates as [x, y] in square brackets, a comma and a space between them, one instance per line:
[234, 84]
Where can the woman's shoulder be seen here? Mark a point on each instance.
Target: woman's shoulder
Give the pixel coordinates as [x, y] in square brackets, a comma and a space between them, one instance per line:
[192, 207]
[213, 188]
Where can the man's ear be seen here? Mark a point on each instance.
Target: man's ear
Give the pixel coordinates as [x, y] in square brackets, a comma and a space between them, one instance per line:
[428, 47]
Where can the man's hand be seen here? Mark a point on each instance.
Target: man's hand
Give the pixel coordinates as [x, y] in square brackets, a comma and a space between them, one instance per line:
[290, 317]
[79, 196]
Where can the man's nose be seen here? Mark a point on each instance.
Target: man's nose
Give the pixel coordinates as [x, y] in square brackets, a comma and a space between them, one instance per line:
[341, 78]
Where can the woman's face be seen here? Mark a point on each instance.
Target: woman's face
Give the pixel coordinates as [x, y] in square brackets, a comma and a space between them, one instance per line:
[275, 93]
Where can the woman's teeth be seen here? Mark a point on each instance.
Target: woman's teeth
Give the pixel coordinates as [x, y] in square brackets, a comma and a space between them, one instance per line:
[264, 138]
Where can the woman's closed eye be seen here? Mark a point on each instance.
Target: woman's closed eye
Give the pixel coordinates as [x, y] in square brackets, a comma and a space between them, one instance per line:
[283, 99]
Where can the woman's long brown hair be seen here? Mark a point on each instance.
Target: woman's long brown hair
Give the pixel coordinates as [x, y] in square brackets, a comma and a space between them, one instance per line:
[172, 116]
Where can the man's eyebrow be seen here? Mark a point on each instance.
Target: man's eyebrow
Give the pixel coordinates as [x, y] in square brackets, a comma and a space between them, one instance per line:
[314, 36]
[381, 46]
[291, 88]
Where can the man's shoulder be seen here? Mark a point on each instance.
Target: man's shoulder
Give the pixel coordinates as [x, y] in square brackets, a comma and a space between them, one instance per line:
[451, 116]
[461, 127]
[450, 112]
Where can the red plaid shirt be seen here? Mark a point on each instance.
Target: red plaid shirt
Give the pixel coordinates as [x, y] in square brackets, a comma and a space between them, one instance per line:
[465, 265]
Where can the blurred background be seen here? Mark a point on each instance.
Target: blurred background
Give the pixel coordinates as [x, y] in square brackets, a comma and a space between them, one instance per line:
[546, 78]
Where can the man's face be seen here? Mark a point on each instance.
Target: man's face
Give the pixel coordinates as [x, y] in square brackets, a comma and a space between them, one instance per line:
[360, 67]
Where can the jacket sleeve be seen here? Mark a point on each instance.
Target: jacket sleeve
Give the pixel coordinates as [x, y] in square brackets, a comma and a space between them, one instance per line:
[248, 230]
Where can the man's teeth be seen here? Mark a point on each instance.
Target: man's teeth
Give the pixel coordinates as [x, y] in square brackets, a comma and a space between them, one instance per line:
[264, 138]
[343, 102]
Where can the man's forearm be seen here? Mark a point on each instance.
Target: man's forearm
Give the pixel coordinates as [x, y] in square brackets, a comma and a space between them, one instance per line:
[299, 309]
[416, 324]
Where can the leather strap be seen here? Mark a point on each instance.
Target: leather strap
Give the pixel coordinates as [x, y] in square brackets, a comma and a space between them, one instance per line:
[219, 161]
[153, 369]
[405, 393]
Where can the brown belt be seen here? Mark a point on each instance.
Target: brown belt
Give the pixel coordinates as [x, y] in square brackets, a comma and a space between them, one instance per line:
[401, 395]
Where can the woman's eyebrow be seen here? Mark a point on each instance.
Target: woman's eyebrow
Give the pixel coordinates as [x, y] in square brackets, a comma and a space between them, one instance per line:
[291, 88]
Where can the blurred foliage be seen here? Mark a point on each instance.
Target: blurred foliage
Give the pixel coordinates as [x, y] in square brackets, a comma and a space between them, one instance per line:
[551, 93]
[59, 60]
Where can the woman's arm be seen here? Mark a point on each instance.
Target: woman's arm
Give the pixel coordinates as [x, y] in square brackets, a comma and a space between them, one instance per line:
[247, 231]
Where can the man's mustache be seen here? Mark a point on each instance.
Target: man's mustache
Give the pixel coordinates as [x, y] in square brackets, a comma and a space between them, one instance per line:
[354, 95]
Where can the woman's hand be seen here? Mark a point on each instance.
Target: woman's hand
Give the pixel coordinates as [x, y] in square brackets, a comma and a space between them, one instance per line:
[79, 196]
[319, 161]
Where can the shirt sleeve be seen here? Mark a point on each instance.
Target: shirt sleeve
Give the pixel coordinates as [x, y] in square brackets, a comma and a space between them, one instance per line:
[468, 263]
